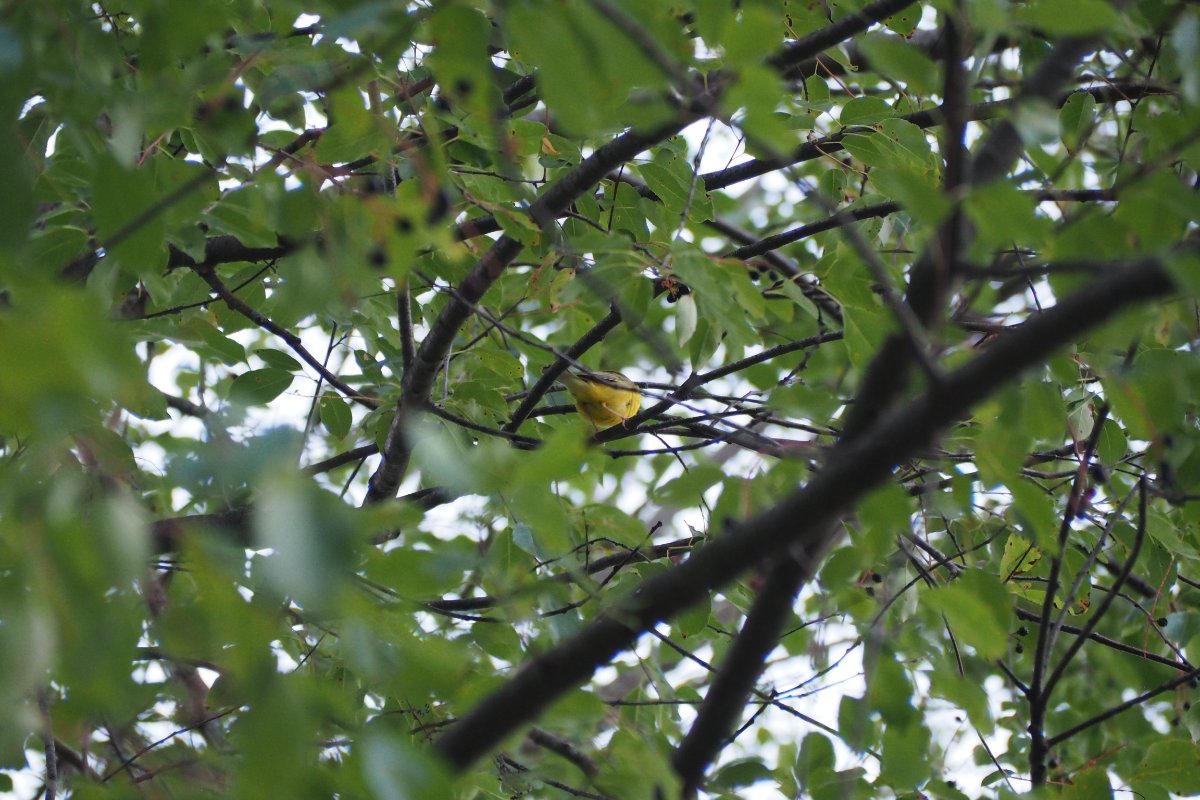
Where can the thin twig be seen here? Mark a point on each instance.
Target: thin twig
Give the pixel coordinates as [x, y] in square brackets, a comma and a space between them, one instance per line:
[50, 748]
[209, 276]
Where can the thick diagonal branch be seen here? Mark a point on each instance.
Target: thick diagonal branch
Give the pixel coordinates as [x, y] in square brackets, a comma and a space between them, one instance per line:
[854, 468]
[887, 375]
[726, 697]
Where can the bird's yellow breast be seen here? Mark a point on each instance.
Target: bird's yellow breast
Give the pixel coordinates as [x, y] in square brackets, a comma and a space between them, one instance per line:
[603, 398]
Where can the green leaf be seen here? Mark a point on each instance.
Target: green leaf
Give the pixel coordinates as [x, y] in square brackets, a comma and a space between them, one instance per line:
[1185, 40]
[905, 762]
[739, 773]
[335, 415]
[1035, 513]
[904, 22]
[1159, 209]
[890, 691]
[673, 185]
[420, 575]
[743, 40]
[1004, 217]
[1092, 234]
[588, 67]
[1089, 784]
[259, 386]
[124, 202]
[1173, 764]
[1182, 627]
[1113, 444]
[685, 318]
[310, 536]
[899, 59]
[965, 693]
[711, 283]
[852, 721]
[640, 770]
[278, 359]
[1166, 532]
[335, 640]
[227, 350]
[243, 214]
[694, 620]
[17, 201]
[561, 455]
[72, 361]
[1070, 17]
[897, 143]
[1076, 118]
[978, 609]
[865, 111]
[908, 141]
[396, 770]
[1044, 413]
[816, 756]
[756, 95]
[1154, 392]
[1020, 556]
[920, 195]
[884, 512]
[354, 132]
[460, 61]
[1000, 452]
[866, 148]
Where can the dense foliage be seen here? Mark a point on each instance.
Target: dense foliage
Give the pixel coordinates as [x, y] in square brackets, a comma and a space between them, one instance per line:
[293, 504]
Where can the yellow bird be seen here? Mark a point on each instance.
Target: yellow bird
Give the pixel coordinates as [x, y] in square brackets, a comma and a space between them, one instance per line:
[603, 398]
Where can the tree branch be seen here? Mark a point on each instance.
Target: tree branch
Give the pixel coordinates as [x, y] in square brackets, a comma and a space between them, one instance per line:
[418, 382]
[543, 211]
[802, 520]
[824, 38]
[928, 118]
[888, 371]
[1132, 702]
[601, 329]
[293, 341]
[726, 697]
